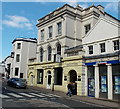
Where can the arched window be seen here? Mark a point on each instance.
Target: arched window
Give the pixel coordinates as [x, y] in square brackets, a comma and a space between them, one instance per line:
[59, 49]
[49, 53]
[41, 54]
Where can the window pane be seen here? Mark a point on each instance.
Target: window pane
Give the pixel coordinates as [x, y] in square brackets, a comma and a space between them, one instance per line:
[17, 58]
[59, 28]
[18, 45]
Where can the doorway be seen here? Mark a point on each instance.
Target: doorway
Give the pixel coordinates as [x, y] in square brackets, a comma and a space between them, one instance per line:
[73, 79]
[48, 79]
[31, 80]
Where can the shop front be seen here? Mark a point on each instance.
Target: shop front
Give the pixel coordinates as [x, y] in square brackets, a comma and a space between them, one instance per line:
[103, 79]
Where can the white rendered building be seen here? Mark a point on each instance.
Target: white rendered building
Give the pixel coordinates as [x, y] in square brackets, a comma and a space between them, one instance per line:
[23, 50]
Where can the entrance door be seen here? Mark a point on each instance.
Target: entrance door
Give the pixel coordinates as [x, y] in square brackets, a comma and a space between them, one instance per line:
[103, 81]
[73, 79]
[91, 87]
[48, 80]
[31, 80]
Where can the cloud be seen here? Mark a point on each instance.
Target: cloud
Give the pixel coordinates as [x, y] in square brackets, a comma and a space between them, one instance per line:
[18, 21]
[113, 6]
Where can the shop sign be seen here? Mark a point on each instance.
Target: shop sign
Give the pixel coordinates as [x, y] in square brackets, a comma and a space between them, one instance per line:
[72, 64]
[117, 85]
[103, 84]
[102, 62]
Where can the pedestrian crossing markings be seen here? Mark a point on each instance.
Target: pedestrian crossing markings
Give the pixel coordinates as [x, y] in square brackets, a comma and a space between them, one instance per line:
[30, 95]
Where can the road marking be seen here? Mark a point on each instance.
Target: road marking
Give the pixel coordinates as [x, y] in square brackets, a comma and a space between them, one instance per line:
[15, 95]
[3, 96]
[46, 95]
[54, 95]
[26, 95]
[36, 95]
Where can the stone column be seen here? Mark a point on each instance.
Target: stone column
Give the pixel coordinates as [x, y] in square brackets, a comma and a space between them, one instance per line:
[86, 81]
[110, 83]
[52, 79]
[96, 81]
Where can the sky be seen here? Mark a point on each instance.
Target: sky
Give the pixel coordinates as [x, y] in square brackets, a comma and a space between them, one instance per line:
[19, 19]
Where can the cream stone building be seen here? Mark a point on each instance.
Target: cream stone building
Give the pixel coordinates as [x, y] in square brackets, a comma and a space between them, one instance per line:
[59, 47]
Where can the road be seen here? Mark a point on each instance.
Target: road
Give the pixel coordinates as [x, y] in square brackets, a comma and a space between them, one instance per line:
[13, 98]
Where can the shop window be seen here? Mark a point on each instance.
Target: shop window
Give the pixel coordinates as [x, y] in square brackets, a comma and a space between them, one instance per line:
[58, 76]
[16, 71]
[87, 28]
[116, 80]
[40, 76]
[102, 47]
[90, 49]
[116, 44]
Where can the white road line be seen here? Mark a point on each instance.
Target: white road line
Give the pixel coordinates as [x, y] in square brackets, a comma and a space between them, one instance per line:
[15, 95]
[3, 96]
[36, 95]
[46, 95]
[26, 95]
[54, 95]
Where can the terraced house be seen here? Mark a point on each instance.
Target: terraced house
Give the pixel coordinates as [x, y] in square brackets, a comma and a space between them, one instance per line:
[61, 48]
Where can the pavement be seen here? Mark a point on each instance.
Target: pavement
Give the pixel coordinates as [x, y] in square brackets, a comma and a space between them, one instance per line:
[86, 99]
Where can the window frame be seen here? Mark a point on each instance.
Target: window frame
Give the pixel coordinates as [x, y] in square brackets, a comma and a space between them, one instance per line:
[90, 49]
[41, 54]
[17, 57]
[59, 28]
[87, 28]
[49, 53]
[58, 49]
[50, 31]
[42, 35]
[18, 45]
[102, 47]
[17, 71]
[116, 45]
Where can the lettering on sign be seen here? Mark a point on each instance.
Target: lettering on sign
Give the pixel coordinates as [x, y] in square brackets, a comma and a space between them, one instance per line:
[72, 64]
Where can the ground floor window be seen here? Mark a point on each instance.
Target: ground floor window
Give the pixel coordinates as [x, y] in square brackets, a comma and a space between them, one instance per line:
[58, 76]
[116, 81]
[40, 76]
[16, 71]
[91, 80]
[21, 75]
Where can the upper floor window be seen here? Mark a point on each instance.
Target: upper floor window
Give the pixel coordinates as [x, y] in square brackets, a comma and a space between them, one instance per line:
[17, 58]
[42, 35]
[18, 45]
[50, 29]
[59, 25]
[59, 49]
[49, 53]
[102, 47]
[116, 44]
[41, 54]
[87, 28]
[90, 49]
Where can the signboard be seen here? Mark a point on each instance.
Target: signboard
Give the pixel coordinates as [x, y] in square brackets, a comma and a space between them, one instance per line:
[117, 85]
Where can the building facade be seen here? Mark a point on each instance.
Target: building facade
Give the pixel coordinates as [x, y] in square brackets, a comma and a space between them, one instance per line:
[102, 60]
[59, 47]
[23, 49]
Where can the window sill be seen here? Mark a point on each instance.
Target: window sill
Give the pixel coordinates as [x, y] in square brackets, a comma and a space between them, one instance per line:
[49, 38]
[59, 35]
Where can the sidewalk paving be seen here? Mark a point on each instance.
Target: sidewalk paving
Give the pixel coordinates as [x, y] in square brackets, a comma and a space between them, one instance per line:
[97, 101]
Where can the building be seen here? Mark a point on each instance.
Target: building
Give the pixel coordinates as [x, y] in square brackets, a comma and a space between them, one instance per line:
[23, 49]
[2, 69]
[102, 60]
[8, 66]
[59, 47]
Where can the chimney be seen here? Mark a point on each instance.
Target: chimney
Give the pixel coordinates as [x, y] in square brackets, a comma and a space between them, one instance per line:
[101, 8]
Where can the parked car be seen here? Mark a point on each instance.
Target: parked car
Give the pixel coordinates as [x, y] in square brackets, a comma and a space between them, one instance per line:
[17, 82]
